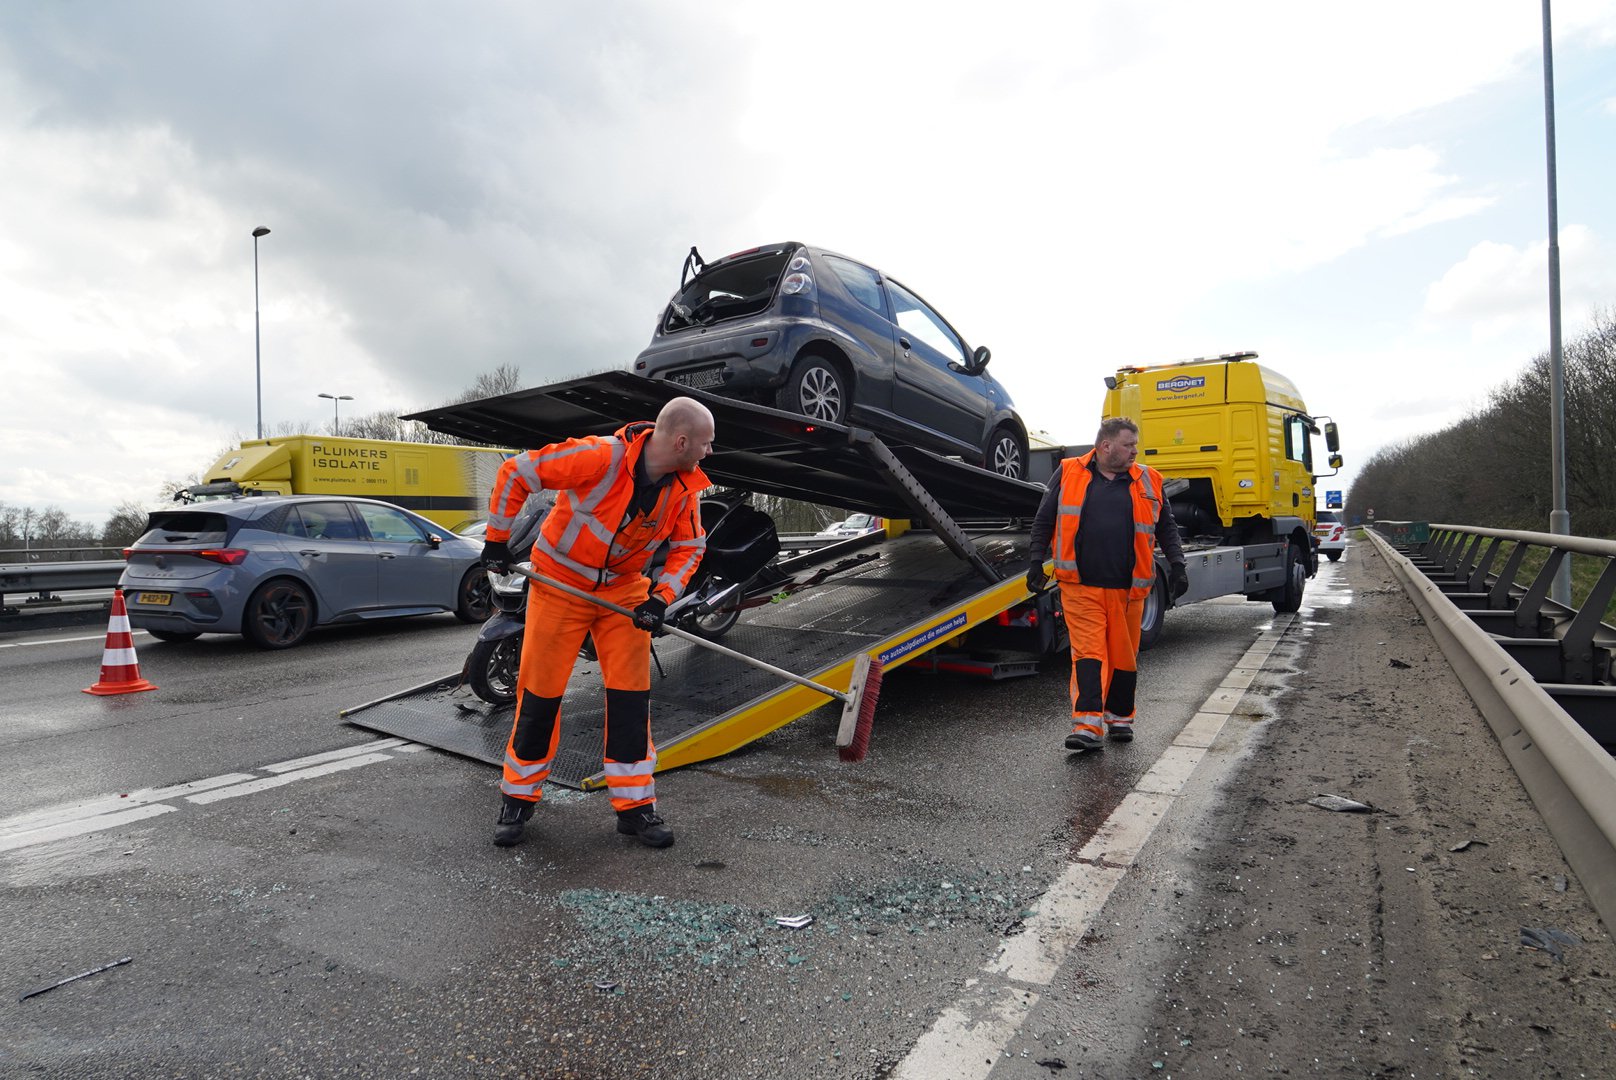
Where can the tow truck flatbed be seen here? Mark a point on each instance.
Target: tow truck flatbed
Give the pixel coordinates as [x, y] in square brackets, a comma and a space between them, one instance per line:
[924, 590]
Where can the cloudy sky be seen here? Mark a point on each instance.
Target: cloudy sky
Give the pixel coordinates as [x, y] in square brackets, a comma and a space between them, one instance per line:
[1356, 192]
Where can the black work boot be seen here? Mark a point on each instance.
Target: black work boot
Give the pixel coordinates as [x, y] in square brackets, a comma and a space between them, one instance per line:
[513, 815]
[642, 821]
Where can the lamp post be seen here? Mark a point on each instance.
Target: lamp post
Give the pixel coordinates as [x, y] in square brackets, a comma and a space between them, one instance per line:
[258, 340]
[336, 420]
[1559, 514]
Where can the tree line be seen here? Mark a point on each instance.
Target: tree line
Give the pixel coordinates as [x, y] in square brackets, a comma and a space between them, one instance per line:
[1493, 468]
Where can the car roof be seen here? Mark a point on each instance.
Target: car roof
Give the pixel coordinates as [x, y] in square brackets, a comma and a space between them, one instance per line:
[251, 504]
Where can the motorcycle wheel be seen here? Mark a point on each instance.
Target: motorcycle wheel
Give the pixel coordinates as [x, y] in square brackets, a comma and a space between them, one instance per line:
[493, 669]
[716, 625]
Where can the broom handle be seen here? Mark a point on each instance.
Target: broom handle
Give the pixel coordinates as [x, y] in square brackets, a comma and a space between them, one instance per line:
[694, 639]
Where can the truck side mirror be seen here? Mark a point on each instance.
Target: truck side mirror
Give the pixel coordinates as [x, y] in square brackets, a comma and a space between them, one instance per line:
[1335, 461]
[1332, 439]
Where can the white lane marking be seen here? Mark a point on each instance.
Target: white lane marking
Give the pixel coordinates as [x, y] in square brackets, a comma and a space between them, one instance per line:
[66, 829]
[106, 804]
[332, 755]
[253, 787]
[58, 641]
[963, 1036]
[109, 811]
[972, 1034]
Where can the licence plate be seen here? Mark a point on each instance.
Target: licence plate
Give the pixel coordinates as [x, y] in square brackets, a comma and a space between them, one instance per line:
[157, 599]
[699, 380]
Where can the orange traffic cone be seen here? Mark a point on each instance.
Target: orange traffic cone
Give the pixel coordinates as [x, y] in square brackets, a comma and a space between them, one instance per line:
[120, 674]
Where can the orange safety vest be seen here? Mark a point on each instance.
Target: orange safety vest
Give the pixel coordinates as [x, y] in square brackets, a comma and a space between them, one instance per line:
[585, 540]
[1146, 489]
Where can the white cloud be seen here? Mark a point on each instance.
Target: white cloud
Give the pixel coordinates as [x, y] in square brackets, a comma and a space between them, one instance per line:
[1499, 288]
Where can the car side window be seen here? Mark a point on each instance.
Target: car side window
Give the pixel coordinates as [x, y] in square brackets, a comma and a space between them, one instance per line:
[914, 317]
[861, 281]
[327, 521]
[388, 525]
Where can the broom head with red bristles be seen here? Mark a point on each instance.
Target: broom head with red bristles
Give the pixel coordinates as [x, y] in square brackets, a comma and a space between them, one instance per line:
[858, 709]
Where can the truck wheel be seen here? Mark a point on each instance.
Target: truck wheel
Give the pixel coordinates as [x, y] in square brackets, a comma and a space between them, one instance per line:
[816, 390]
[474, 601]
[1006, 453]
[1289, 597]
[278, 614]
[1155, 613]
[493, 669]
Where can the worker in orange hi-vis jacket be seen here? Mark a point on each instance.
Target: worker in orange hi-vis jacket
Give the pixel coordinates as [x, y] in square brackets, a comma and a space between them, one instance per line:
[619, 498]
[1104, 512]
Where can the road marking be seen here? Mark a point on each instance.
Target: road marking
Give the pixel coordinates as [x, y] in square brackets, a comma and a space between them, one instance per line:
[972, 1034]
[58, 641]
[110, 811]
[253, 787]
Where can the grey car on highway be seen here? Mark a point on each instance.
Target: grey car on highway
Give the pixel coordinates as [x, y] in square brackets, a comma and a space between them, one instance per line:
[816, 333]
[273, 567]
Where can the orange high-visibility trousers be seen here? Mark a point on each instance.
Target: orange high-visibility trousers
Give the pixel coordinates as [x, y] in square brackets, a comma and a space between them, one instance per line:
[556, 626]
[1103, 626]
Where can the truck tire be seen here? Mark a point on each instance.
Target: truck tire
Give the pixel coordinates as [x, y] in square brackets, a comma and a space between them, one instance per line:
[1288, 597]
[1155, 613]
[492, 669]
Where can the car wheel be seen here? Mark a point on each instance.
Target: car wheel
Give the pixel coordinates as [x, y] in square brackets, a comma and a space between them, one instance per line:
[816, 390]
[475, 600]
[1006, 453]
[279, 614]
[493, 669]
[1289, 596]
[1333, 556]
[175, 635]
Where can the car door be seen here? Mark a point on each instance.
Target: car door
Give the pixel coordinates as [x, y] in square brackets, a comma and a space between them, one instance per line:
[410, 572]
[869, 321]
[341, 566]
[929, 390]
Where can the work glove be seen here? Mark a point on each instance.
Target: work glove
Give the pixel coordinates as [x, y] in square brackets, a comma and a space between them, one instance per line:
[648, 616]
[497, 556]
[1037, 580]
[1178, 579]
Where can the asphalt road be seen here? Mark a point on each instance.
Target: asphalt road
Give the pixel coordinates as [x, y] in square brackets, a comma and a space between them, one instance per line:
[348, 916]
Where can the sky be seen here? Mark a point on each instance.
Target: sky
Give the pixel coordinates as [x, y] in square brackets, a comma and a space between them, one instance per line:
[1358, 193]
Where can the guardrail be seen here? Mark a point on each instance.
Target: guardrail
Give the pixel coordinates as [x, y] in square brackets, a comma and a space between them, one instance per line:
[44, 580]
[1499, 636]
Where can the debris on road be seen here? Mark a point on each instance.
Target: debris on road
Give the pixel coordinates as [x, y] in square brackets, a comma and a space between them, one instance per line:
[1396, 663]
[1548, 940]
[794, 922]
[1340, 804]
[80, 975]
[1464, 845]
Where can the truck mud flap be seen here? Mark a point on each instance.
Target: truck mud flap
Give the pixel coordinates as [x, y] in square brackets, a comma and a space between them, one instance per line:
[914, 598]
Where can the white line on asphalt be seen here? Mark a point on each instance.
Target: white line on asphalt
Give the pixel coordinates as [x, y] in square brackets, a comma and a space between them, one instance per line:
[109, 811]
[64, 830]
[58, 641]
[252, 787]
[972, 1034]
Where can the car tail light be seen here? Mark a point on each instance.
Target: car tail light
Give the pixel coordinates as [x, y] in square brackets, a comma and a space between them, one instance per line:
[227, 556]
[798, 280]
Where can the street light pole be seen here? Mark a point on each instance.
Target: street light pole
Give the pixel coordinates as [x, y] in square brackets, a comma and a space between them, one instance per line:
[1560, 515]
[336, 420]
[258, 340]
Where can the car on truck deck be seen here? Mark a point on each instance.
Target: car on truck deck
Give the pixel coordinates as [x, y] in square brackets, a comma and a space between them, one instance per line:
[1233, 442]
[809, 331]
[447, 483]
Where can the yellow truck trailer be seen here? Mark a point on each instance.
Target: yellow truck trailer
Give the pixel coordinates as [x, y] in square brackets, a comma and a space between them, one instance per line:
[1233, 441]
[448, 484]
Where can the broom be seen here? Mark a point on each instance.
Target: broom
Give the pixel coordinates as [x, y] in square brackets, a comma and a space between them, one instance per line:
[858, 703]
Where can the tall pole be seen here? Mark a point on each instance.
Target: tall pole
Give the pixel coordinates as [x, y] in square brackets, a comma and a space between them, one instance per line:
[1560, 515]
[336, 417]
[258, 339]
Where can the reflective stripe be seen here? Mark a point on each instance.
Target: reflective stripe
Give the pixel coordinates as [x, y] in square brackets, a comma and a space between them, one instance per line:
[526, 772]
[1143, 583]
[630, 768]
[1144, 526]
[1065, 564]
[593, 573]
[645, 791]
[520, 789]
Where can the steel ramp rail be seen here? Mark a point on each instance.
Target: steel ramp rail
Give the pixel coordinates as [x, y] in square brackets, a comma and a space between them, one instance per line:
[917, 596]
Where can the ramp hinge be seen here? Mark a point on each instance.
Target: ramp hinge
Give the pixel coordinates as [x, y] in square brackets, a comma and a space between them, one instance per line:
[918, 499]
